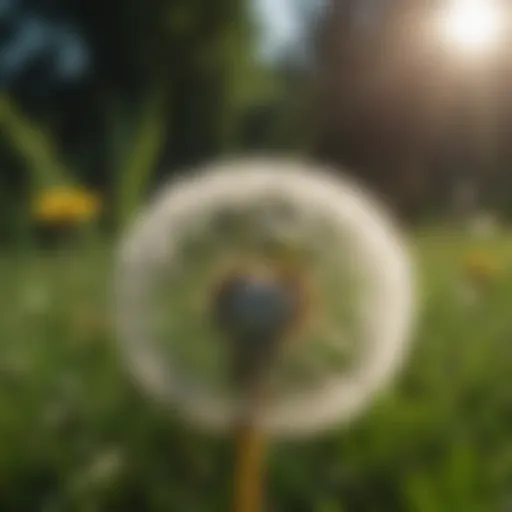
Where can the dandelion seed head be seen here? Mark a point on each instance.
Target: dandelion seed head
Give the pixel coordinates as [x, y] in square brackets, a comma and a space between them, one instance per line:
[347, 245]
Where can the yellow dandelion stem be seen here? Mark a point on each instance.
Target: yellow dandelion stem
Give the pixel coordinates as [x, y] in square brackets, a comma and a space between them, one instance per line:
[250, 450]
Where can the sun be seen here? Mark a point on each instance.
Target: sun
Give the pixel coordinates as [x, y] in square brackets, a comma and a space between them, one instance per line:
[473, 25]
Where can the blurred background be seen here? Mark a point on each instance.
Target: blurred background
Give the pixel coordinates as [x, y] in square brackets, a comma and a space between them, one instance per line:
[101, 102]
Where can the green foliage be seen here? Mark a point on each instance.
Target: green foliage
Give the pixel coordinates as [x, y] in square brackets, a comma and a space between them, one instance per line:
[141, 151]
[177, 84]
[34, 144]
[80, 435]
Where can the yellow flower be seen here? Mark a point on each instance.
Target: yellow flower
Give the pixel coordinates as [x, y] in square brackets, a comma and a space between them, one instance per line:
[481, 267]
[66, 205]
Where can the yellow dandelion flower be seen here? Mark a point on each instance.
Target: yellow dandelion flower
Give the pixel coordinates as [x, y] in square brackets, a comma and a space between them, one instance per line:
[65, 206]
[481, 268]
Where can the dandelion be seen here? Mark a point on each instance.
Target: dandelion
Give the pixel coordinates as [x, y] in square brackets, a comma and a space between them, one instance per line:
[340, 243]
[481, 269]
[66, 206]
[242, 365]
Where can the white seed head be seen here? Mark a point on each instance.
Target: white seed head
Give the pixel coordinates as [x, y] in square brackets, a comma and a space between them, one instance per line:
[355, 254]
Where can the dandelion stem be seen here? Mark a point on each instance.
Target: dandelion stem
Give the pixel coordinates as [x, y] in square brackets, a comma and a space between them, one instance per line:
[250, 450]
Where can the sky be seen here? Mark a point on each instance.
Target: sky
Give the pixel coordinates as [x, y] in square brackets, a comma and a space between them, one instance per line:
[282, 25]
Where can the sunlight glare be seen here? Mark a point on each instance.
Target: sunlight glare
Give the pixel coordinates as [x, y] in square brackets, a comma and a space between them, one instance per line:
[473, 25]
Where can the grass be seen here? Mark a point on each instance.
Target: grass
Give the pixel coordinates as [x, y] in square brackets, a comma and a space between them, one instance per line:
[77, 435]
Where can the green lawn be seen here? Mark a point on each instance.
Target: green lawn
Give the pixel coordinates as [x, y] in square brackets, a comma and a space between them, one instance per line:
[76, 435]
